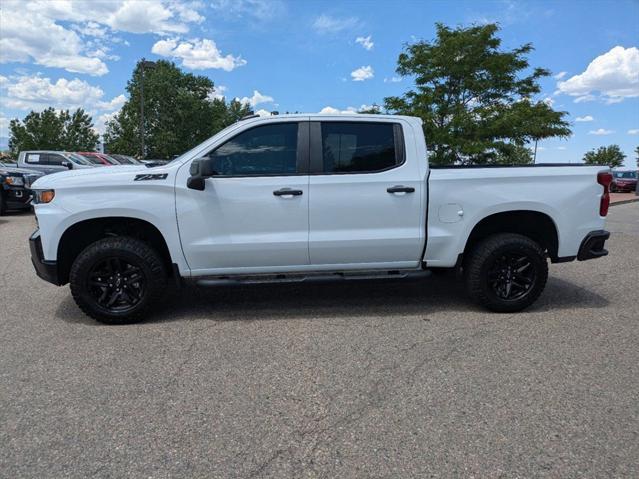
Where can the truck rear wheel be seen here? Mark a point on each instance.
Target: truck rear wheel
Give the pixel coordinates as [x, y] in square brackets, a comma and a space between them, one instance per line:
[117, 280]
[506, 272]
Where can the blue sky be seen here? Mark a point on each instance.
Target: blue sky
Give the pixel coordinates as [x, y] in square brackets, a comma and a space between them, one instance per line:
[313, 55]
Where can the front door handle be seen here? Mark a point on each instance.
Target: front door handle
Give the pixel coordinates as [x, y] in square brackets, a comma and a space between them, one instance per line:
[287, 192]
[401, 189]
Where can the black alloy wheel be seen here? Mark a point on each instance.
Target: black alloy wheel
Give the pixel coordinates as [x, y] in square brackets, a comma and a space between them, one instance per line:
[512, 276]
[506, 272]
[118, 280]
[116, 285]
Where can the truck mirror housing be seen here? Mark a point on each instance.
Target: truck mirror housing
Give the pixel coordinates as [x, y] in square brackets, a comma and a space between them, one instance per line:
[201, 168]
[68, 164]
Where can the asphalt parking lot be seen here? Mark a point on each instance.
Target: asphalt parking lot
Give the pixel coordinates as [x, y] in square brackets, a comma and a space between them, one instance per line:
[380, 379]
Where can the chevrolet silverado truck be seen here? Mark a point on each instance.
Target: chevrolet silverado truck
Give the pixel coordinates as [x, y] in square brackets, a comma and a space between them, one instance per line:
[304, 197]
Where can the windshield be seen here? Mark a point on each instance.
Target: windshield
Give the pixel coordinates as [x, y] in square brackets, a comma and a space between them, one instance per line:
[79, 159]
[630, 175]
[94, 160]
[125, 160]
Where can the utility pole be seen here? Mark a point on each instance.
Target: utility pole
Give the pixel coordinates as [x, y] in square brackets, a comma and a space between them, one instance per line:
[144, 63]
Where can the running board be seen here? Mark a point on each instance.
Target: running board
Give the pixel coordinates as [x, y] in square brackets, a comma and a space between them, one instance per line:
[310, 278]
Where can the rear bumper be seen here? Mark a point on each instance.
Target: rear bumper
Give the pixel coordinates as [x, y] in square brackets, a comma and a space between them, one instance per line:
[47, 270]
[592, 245]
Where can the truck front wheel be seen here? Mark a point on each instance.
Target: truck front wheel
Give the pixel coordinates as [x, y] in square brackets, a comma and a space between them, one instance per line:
[506, 272]
[117, 280]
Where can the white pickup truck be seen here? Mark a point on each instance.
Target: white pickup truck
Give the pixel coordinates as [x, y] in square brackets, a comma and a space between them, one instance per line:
[302, 197]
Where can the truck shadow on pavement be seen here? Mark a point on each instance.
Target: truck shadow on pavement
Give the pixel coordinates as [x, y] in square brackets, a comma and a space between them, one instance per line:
[338, 300]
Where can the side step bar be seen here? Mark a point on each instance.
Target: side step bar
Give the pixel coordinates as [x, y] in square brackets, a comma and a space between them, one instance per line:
[310, 278]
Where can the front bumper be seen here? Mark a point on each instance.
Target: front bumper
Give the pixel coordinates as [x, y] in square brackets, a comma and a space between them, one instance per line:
[47, 270]
[17, 197]
[592, 245]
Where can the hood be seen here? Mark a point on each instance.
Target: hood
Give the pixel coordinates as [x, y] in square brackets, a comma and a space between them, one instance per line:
[91, 176]
[24, 171]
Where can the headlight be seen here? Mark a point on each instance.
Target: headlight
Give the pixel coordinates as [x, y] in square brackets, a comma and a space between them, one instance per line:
[43, 196]
[14, 180]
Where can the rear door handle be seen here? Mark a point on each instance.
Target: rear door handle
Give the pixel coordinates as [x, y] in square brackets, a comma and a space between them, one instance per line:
[401, 189]
[287, 192]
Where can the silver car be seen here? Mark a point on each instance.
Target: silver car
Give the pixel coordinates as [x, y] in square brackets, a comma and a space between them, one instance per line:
[52, 161]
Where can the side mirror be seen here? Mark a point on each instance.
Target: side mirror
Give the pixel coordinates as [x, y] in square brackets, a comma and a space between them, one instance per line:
[68, 164]
[201, 168]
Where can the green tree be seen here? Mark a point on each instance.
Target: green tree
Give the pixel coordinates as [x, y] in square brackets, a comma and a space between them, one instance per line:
[179, 112]
[637, 156]
[51, 130]
[611, 156]
[474, 98]
[78, 134]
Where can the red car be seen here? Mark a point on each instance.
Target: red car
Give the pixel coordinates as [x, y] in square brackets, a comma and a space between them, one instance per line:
[623, 181]
[98, 159]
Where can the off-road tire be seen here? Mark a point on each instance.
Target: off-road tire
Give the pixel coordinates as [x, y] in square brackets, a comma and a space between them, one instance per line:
[3, 208]
[129, 250]
[478, 264]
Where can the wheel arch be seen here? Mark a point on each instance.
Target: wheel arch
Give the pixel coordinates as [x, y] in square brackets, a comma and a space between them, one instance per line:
[85, 232]
[535, 225]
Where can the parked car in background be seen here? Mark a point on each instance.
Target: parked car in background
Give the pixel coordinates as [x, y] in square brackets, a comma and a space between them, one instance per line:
[15, 184]
[124, 159]
[97, 159]
[624, 181]
[154, 162]
[51, 161]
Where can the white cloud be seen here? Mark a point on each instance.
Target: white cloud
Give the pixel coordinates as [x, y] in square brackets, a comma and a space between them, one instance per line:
[600, 132]
[328, 24]
[263, 112]
[115, 104]
[548, 101]
[365, 42]
[102, 120]
[91, 29]
[634, 131]
[615, 75]
[53, 33]
[329, 110]
[560, 75]
[218, 92]
[256, 99]
[38, 93]
[362, 73]
[197, 54]
[392, 80]
[133, 16]
[584, 98]
[37, 38]
[584, 118]
[562, 148]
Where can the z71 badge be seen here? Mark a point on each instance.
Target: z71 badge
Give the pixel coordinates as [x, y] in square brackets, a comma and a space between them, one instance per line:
[151, 176]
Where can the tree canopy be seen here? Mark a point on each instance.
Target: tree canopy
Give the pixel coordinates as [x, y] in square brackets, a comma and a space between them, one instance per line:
[611, 156]
[51, 130]
[180, 111]
[476, 99]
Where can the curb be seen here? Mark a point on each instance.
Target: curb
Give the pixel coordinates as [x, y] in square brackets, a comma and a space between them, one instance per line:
[623, 202]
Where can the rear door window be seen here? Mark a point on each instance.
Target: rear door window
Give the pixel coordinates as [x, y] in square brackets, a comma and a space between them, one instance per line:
[34, 158]
[360, 147]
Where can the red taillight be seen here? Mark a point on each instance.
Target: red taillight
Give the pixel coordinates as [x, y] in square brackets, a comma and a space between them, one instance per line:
[604, 179]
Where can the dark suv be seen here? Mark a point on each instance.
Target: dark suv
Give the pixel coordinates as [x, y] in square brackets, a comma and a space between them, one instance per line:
[15, 187]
